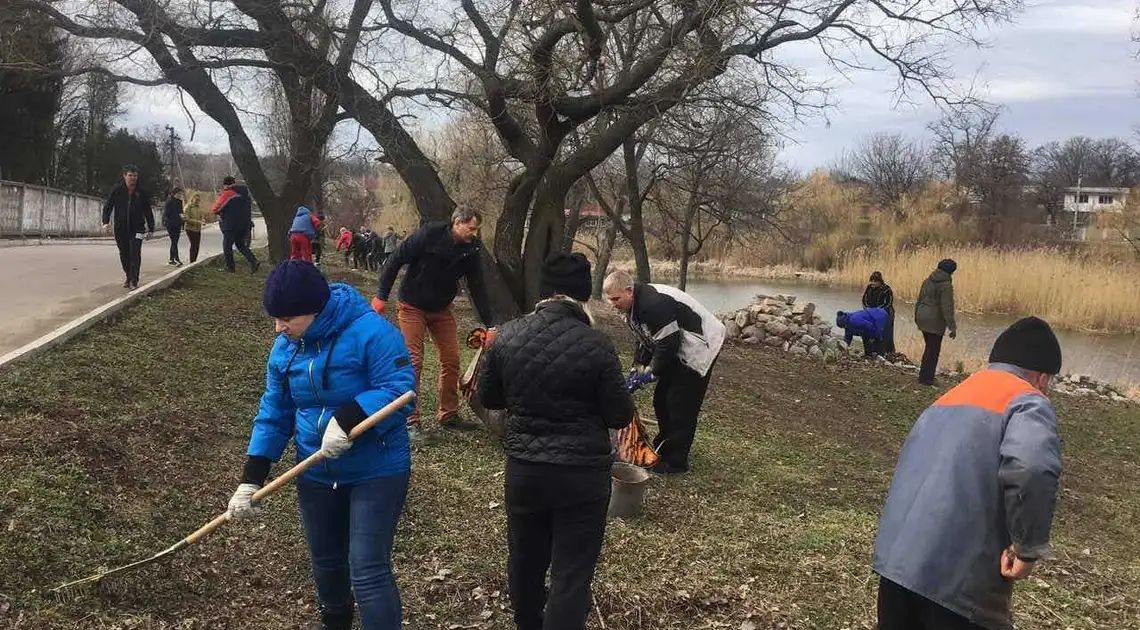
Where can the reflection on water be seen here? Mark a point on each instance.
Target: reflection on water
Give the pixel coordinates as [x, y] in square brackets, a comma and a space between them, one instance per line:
[1109, 358]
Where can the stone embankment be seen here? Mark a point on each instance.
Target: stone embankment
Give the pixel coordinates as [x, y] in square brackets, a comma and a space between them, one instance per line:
[781, 322]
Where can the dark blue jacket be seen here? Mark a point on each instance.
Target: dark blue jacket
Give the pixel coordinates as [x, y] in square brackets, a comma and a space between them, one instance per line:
[869, 323]
[172, 214]
[234, 208]
[349, 353]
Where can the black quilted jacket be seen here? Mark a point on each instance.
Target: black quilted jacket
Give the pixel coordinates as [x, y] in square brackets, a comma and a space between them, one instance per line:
[562, 385]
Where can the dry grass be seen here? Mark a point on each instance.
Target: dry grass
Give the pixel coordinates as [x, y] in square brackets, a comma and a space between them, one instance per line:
[1068, 291]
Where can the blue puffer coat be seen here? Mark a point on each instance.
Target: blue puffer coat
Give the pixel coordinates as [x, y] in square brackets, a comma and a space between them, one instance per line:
[302, 224]
[348, 353]
[869, 323]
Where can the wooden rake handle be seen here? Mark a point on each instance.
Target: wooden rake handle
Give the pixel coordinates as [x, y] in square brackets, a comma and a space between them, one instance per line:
[301, 467]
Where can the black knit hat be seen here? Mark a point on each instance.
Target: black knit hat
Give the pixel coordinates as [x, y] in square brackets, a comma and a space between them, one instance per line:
[566, 274]
[1029, 344]
[948, 265]
[295, 287]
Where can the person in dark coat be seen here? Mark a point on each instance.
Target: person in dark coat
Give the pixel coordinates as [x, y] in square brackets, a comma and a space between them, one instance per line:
[437, 256]
[869, 324]
[172, 219]
[129, 204]
[561, 382]
[234, 208]
[878, 294]
[934, 316]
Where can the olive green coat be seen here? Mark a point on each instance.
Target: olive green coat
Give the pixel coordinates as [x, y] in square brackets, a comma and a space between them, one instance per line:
[934, 309]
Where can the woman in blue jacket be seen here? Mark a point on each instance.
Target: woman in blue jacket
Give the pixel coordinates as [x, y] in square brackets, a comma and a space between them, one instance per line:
[335, 363]
[869, 323]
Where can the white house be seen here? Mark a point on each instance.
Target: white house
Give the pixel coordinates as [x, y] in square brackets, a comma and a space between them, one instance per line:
[1094, 199]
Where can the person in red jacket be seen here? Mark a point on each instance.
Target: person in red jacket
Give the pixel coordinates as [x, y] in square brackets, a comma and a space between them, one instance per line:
[344, 244]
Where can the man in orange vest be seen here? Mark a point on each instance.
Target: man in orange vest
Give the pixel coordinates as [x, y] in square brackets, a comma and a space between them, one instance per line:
[971, 503]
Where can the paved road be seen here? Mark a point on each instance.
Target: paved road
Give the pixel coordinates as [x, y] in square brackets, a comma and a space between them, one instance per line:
[45, 286]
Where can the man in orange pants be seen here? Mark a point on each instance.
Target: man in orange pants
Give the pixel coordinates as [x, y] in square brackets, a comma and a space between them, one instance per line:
[437, 255]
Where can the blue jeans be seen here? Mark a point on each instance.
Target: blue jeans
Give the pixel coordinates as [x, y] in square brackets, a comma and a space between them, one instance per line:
[350, 530]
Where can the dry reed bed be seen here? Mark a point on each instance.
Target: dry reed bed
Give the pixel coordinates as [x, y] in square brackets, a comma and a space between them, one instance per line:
[1070, 292]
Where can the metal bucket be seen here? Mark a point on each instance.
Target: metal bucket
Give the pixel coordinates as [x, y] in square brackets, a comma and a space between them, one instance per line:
[627, 496]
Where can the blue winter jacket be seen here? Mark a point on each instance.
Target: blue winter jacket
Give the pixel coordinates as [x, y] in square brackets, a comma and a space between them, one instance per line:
[348, 353]
[302, 224]
[869, 323]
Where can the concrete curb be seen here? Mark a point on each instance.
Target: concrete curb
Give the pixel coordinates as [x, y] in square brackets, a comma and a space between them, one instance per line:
[71, 329]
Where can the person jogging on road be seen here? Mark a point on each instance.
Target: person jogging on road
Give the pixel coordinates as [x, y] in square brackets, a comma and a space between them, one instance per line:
[129, 204]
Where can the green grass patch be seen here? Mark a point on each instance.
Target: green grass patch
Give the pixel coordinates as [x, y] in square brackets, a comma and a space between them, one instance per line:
[123, 441]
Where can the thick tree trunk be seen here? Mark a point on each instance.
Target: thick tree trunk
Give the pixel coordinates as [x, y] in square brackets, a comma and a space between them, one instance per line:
[278, 218]
[602, 265]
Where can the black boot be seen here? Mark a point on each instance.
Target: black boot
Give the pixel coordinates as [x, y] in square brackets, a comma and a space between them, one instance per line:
[330, 621]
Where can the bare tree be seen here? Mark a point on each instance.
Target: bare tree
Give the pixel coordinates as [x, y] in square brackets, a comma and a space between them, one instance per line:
[535, 70]
[992, 169]
[891, 164]
[547, 60]
[196, 48]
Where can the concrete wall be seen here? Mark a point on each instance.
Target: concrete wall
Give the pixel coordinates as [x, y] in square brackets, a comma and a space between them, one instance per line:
[35, 211]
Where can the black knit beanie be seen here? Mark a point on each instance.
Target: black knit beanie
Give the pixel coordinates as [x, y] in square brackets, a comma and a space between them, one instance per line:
[948, 265]
[295, 287]
[566, 274]
[1029, 344]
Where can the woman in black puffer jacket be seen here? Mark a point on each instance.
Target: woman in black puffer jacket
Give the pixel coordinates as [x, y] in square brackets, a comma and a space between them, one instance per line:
[562, 385]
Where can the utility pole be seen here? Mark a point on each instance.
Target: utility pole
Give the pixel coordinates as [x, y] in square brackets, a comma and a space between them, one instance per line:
[171, 144]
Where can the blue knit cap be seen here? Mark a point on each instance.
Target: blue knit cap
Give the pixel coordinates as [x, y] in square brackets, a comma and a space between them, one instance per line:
[295, 287]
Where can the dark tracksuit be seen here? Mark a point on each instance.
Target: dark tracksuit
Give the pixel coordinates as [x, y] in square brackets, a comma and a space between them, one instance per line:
[172, 219]
[680, 339]
[234, 209]
[133, 217]
[559, 412]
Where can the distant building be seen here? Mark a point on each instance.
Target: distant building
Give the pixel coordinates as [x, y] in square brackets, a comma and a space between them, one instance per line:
[1080, 206]
[1091, 199]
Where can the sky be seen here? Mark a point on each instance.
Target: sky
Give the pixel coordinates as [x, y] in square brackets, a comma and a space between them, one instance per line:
[1063, 68]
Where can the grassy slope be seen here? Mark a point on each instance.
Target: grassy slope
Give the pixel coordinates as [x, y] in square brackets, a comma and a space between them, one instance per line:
[121, 442]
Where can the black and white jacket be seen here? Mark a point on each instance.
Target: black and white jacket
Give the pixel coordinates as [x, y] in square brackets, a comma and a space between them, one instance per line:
[671, 326]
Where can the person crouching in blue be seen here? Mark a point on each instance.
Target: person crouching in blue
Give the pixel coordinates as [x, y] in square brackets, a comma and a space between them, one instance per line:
[868, 324]
[335, 362]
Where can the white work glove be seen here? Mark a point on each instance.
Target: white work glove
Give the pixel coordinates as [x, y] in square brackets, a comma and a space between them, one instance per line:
[335, 441]
[241, 504]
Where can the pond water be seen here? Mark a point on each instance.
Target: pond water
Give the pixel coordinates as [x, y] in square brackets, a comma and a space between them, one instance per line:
[1108, 358]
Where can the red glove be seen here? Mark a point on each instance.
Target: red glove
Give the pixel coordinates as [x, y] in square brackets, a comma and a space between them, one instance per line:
[378, 305]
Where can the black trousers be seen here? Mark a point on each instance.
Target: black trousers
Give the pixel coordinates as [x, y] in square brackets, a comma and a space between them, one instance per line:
[174, 236]
[556, 520]
[930, 358]
[130, 256]
[677, 401]
[232, 239]
[317, 249]
[888, 345]
[900, 609]
[195, 243]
